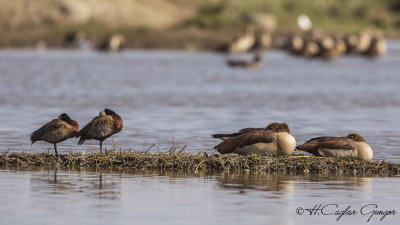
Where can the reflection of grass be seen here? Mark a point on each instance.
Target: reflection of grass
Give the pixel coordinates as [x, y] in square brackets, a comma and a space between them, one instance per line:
[180, 161]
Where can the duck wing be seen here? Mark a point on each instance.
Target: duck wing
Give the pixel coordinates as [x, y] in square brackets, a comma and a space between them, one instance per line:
[99, 128]
[241, 132]
[257, 136]
[327, 143]
[54, 127]
[341, 153]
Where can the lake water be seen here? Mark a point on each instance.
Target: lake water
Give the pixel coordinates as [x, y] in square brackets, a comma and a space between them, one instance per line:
[189, 96]
[145, 197]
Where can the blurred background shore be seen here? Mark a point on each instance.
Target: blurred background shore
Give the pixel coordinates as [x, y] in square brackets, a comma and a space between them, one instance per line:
[182, 24]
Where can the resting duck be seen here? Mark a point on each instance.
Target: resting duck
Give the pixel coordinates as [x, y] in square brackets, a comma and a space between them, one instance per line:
[351, 146]
[104, 125]
[377, 47]
[311, 49]
[273, 140]
[254, 64]
[296, 44]
[56, 131]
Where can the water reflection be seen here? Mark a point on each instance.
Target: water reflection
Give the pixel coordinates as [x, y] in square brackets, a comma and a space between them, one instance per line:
[106, 184]
[94, 185]
[122, 196]
[275, 182]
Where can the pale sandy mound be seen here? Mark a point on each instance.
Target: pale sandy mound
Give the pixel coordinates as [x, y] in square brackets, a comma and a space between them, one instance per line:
[155, 14]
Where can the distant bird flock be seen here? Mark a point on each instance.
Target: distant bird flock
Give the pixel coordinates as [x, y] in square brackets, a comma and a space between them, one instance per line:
[307, 42]
[275, 139]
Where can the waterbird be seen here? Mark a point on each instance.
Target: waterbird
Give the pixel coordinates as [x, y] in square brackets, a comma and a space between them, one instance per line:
[104, 125]
[304, 22]
[275, 139]
[244, 42]
[377, 47]
[351, 146]
[56, 131]
[295, 44]
[113, 43]
[254, 64]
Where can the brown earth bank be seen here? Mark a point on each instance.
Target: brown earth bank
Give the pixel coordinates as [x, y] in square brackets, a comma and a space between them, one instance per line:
[180, 24]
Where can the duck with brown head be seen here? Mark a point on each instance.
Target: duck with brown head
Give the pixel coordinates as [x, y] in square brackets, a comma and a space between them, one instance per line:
[56, 131]
[101, 127]
[275, 139]
[351, 146]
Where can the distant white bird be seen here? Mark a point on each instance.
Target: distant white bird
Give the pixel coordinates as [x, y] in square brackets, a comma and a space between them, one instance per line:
[304, 22]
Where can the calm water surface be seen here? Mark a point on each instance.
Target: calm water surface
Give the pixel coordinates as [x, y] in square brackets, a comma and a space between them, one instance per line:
[84, 197]
[189, 96]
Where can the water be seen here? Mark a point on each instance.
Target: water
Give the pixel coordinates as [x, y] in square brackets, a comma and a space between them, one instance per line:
[189, 96]
[145, 197]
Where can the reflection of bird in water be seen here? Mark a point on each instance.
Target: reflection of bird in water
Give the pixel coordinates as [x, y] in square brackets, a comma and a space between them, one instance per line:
[273, 140]
[244, 42]
[56, 131]
[351, 146]
[92, 185]
[254, 64]
[259, 181]
[363, 185]
[101, 127]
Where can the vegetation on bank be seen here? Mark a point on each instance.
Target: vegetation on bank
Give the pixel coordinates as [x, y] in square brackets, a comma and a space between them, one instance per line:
[189, 162]
[218, 21]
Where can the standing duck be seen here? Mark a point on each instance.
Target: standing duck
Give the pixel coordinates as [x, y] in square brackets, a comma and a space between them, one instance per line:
[101, 127]
[351, 146]
[56, 131]
[273, 140]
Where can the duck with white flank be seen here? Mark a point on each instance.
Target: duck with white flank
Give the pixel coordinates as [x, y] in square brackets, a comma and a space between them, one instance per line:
[56, 131]
[275, 139]
[101, 127]
[351, 146]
